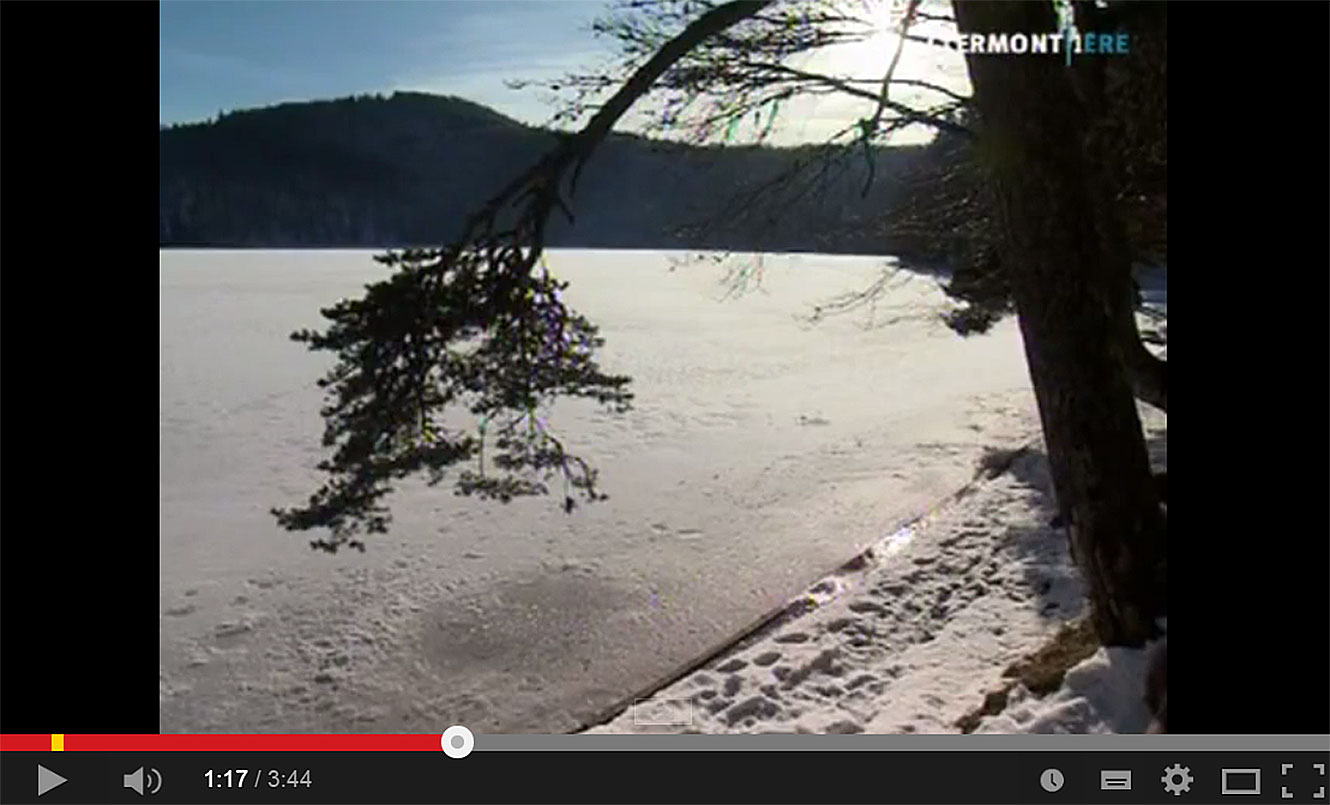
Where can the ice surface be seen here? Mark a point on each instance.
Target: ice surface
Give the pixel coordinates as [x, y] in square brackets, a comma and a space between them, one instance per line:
[763, 452]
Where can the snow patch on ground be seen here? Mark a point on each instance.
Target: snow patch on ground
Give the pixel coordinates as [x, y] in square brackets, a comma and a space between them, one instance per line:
[1101, 694]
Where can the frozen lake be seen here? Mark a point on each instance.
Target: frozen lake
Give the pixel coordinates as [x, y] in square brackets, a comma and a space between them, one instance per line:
[763, 452]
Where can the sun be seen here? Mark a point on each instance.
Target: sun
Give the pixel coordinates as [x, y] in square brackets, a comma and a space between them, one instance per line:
[863, 62]
[829, 112]
[876, 28]
[884, 16]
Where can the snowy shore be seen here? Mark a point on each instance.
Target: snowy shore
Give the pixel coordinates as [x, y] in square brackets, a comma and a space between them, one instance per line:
[916, 635]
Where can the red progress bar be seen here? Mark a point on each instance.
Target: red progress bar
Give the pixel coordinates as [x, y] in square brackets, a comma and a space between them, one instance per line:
[225, 743]
[25, 743]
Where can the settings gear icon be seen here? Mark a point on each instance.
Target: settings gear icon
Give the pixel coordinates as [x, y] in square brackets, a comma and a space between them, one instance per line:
[1176, 779]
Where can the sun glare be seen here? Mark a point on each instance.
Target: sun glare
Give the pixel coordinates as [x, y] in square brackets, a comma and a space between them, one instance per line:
[883, 15]
[864, 63]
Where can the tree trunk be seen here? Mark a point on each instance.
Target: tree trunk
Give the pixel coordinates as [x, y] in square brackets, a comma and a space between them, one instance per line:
[1068, 290]
[1147, 374]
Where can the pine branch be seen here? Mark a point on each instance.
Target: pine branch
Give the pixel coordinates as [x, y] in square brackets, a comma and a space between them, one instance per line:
[472, 324]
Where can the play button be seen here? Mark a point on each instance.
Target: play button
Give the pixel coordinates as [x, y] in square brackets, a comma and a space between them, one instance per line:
[47, 779]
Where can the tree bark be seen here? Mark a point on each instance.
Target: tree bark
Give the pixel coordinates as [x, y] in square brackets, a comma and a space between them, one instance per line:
[1068, 288]
[1147, 374]
[1105, 163]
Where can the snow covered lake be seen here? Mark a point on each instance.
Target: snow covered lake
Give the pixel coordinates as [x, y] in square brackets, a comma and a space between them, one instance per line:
[763, 452]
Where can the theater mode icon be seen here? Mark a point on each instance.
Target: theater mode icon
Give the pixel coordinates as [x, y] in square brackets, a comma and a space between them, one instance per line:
[1240, 781]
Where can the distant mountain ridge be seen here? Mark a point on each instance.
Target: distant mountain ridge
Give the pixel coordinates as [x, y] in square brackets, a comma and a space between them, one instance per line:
[375, 171]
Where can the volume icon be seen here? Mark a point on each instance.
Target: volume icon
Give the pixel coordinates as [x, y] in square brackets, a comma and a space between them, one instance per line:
[138, 780]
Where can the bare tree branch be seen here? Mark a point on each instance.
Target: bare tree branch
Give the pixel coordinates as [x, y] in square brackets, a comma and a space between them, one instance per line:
[909, 113]
[891, 68]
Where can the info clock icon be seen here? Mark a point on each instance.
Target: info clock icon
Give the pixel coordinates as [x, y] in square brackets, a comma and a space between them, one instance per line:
[1052, 780]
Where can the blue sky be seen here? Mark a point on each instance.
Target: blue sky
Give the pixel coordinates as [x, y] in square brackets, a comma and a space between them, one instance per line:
[235, 54]
[218, 55]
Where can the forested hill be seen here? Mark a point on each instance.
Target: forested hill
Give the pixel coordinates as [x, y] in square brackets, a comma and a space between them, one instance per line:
[379, 171]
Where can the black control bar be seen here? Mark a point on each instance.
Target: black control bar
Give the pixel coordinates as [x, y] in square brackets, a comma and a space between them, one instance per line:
[332, 778]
